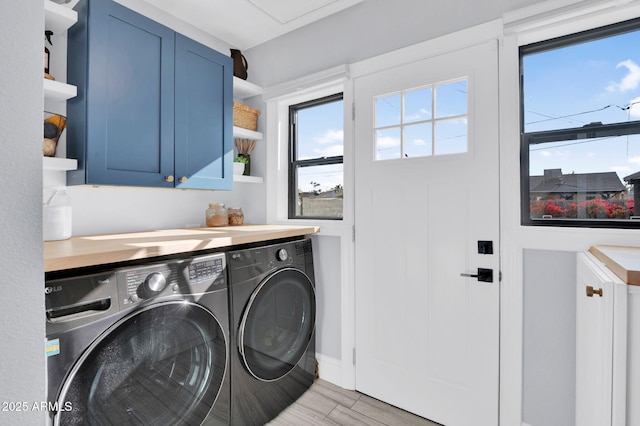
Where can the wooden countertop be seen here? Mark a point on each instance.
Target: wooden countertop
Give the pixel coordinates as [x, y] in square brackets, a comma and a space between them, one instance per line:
[92, 250]
[623, 261]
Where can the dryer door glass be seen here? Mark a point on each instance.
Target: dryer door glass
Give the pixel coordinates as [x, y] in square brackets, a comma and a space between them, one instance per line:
[278, 324]
[162, 365]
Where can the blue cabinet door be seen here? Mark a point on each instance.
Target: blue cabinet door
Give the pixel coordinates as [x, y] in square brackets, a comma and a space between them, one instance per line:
[203, 117]
[123, 65]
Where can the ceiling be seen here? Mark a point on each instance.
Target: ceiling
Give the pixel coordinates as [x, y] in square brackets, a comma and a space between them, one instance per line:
[246, 23]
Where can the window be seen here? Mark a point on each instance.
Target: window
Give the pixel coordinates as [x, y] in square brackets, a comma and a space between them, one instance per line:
[580, 146]
[421, 122]
[316, 164]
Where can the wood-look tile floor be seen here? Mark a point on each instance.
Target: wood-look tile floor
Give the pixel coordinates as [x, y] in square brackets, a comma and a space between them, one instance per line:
[327, 404]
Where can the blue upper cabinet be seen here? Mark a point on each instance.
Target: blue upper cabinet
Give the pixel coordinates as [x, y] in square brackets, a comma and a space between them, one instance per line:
[153, 107]
[203, 116]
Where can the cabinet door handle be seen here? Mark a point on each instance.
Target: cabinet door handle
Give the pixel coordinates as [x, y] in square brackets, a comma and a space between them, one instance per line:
[183, 179]
[591, 291]
[169, 178]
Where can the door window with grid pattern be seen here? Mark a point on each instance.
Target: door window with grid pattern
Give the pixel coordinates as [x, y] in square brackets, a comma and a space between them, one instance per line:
[421, 122]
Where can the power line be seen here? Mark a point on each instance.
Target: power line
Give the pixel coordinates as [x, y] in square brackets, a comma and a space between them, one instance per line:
[581, 142]
[551, 117]
[566, 116]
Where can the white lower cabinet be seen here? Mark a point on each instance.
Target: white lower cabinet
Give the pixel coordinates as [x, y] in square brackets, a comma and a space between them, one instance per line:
[603, 383]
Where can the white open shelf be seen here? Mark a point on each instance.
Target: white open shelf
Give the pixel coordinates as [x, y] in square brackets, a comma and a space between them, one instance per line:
[57, 91]
[58, 18]
[239, 132]
[243, 89]
[59, 164]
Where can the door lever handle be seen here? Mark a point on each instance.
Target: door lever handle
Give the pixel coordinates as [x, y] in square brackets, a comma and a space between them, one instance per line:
[484, 275]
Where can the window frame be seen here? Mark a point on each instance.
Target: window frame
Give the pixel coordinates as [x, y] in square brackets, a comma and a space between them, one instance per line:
[527, 139]
[295, 164]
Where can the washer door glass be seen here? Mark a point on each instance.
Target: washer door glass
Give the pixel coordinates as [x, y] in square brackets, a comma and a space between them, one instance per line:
[162, 365]
[277, 325]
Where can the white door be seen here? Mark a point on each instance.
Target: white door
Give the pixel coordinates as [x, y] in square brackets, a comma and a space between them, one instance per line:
[426, 193]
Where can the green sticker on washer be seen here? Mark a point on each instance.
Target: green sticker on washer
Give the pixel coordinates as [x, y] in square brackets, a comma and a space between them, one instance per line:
[52, 347]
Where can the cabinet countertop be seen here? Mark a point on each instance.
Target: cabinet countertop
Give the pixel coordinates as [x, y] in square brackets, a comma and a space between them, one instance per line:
[623, 261]
[90, 250]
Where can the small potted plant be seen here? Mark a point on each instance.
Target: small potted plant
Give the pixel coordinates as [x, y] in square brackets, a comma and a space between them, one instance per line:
[244, 147]
[239, 163]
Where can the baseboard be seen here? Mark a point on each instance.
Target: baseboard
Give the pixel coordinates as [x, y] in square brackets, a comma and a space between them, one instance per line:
[330, 369]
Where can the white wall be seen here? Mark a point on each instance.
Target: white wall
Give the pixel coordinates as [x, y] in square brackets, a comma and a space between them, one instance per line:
[328, 298]
[103, 210]
[22, 360]
[549, 372]
[365, 30]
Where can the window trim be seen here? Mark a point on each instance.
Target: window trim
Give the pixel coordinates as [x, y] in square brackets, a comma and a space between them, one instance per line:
[577, 133]
[292, 183]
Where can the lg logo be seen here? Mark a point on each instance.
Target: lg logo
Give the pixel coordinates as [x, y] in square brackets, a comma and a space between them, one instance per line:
[49, 290]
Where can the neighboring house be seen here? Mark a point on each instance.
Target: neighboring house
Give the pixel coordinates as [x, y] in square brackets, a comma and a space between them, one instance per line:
[555, 185]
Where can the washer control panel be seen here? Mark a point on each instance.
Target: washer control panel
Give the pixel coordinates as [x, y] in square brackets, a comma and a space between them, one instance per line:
[145, 282]
[177, 277]
[206, 270]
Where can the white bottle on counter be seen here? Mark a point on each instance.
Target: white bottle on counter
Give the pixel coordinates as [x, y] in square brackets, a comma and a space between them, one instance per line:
[56, 215]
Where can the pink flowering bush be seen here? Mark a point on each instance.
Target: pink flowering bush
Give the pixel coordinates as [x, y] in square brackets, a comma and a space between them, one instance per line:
[595, 209]
[590, 209]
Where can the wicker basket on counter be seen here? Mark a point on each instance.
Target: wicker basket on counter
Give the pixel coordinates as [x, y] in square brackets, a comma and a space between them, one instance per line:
[244, 116]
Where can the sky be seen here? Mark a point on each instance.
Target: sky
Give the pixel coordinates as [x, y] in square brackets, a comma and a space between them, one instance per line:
[598, 81]
[320, 134]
